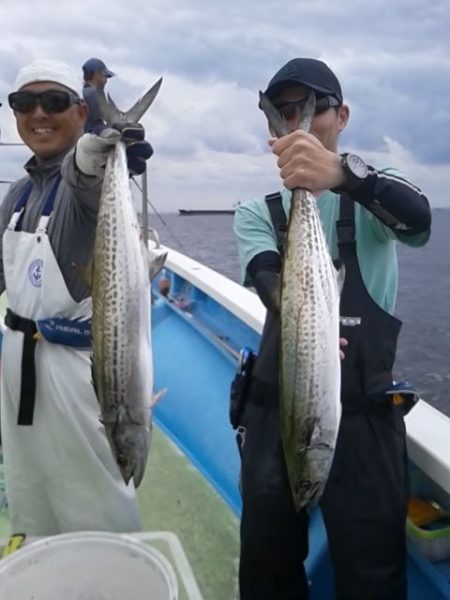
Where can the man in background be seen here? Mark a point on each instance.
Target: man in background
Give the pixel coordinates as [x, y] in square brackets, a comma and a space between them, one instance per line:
[96, 75]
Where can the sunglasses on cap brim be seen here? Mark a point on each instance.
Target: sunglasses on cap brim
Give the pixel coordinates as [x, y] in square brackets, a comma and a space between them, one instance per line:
[290, 109]
[51, 101]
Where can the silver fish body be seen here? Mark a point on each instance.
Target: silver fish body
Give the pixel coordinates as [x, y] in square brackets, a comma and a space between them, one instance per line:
[310, 373]
[310, 364]
[122, 353]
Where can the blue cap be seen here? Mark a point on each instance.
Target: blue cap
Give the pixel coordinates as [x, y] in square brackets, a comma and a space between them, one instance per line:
[311, 73]
[95, 64]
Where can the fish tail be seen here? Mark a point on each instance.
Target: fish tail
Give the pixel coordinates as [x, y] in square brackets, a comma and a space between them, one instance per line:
[111, 114]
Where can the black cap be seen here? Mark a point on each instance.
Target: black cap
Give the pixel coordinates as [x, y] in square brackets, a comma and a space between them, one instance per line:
[309, 72]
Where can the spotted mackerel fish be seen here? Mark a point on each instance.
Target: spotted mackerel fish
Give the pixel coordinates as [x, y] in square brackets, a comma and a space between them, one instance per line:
[122, 267]
[309, 361]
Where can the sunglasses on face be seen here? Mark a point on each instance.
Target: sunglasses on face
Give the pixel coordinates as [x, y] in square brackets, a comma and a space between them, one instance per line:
[51, 101]
[288, 110]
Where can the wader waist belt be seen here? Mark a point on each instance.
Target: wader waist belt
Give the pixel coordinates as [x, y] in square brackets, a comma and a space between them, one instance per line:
[28, 369]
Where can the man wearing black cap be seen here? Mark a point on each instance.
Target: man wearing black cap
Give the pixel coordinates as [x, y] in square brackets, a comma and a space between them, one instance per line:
[96, 75]
[364, 211]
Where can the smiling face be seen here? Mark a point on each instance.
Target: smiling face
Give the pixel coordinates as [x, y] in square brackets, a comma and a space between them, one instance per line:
[50, 134]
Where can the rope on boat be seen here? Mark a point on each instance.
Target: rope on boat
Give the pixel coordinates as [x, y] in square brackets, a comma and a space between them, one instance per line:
[174, 237]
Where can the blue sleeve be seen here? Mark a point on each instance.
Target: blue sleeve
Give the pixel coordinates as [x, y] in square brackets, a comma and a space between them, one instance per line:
[254, 232]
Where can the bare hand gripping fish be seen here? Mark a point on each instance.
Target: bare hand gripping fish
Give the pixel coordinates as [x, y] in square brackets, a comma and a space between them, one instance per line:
[310, 378]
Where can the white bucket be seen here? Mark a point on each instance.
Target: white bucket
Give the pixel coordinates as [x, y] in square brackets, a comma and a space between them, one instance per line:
[87, 566]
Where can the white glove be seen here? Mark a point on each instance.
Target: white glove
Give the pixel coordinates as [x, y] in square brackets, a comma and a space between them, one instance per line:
[92, 151]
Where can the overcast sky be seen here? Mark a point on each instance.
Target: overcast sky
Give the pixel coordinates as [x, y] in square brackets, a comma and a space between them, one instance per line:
[210, 139]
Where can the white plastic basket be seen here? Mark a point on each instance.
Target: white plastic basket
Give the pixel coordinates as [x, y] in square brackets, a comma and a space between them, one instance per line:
[87, 566]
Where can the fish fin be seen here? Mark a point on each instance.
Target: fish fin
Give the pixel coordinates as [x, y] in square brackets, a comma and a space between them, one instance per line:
[85, 273]
[341, 278]
[276, 121]
[111, 114]
[107, 107]
[313, 437]
[93, 381]
[115, 110]
[310, 428]
[308, 112]
[156, 397]
[157, 264]
[152, 234]
[279, 124]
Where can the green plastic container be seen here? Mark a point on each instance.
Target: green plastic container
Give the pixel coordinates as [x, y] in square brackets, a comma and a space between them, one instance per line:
[433, 543]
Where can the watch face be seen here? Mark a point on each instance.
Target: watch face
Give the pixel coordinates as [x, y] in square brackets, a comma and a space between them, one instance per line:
[357, 166]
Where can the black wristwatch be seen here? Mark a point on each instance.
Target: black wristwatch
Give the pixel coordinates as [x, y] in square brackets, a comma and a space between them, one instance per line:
[355, 170]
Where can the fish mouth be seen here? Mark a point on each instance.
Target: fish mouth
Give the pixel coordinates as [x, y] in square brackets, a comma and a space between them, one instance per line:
[131, 469]
[125, 466]
[314, 447]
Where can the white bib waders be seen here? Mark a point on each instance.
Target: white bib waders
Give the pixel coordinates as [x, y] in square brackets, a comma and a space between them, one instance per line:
[61, 475]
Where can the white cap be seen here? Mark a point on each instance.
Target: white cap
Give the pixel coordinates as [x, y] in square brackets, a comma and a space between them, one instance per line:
[48, 70]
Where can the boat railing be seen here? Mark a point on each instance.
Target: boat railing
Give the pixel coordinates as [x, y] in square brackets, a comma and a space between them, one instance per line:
[427, 428]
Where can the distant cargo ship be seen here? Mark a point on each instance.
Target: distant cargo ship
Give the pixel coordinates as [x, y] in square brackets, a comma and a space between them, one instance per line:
[198, 211]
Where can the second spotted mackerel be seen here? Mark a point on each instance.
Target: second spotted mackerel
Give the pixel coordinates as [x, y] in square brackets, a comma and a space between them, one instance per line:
[309, 362]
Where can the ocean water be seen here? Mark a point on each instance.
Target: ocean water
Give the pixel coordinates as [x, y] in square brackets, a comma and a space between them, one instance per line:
[423, 356]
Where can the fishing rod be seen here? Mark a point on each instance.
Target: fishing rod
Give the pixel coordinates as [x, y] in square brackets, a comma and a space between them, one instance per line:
[145, 202]
[145, 208]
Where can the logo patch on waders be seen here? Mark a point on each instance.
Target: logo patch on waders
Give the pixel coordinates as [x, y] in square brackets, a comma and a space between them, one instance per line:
[35, 272]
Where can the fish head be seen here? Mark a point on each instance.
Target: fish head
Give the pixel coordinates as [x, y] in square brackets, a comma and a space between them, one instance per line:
[131, 444]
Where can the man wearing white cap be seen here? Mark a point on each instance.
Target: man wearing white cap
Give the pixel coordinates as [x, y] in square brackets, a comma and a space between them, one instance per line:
[60, 471]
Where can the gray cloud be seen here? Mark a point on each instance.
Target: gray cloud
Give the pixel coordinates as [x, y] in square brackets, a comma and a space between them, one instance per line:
[392, 59]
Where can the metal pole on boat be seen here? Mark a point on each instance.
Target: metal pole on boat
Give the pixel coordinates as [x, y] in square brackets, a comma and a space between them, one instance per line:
[144, 208]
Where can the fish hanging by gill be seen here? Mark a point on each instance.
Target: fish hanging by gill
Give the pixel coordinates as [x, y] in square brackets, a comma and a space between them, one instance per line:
[310, 373]
[120, 273]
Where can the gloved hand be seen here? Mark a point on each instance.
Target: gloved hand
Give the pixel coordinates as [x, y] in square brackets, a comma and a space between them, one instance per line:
[138, 150]
[92, 150]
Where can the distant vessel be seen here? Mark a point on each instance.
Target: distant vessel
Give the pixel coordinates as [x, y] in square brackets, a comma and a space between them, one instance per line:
[198, 211]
